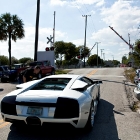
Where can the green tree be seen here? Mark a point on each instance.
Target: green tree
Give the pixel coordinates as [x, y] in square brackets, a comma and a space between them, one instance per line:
[3, 60]
[59, 49]
[87, 51]
[25, 60]
[70, 51]
[92, 60]
[136, 54]
[124, 60]
[11, 27]
[14, 60]
[116, 62]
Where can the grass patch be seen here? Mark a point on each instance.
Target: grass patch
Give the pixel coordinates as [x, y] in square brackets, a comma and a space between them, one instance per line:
[130, 74]
[62, 71]
[135, 106]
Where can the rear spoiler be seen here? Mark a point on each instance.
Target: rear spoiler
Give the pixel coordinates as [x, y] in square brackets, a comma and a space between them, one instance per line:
[97, 81]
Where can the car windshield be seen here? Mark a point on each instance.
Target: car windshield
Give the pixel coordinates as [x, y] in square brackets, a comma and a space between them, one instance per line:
[52, 84]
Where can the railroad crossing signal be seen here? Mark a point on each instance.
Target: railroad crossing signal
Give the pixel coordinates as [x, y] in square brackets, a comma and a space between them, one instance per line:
[50, 39]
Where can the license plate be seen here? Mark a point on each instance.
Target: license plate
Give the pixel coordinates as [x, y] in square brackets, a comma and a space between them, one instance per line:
[34, 110]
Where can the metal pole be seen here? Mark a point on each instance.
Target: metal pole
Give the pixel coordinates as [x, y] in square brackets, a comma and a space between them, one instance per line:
[113, 60]
[36, 31]
[97, 54]
[85, 36]
[54, 30]
[101, 55]
[104, 56]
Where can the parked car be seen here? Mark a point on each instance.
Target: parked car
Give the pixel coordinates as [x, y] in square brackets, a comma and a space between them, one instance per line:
[45, 66]
[6, 74]
[137, 77]
[20, 67]
[64, 98]
[137, 91]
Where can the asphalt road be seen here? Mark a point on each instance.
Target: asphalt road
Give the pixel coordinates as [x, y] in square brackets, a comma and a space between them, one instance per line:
[114, 119]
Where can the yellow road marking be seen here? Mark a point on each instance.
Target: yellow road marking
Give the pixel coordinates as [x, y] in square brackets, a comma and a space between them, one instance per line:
[4, 124]
[1, 121]
[91, 73]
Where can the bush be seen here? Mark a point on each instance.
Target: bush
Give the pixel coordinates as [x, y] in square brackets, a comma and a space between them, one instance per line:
[130, 74]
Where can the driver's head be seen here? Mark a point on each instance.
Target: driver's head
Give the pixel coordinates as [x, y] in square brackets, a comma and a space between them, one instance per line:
[36, 69]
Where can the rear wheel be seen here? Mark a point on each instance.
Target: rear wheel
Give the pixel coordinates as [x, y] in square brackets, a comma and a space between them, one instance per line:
[92, 113]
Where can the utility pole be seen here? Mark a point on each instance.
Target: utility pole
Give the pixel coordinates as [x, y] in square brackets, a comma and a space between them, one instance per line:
[97, 53]
[54, 30]
[85, 35]
[101, 55]
[36, 31]
[104, 56]
[113, 59]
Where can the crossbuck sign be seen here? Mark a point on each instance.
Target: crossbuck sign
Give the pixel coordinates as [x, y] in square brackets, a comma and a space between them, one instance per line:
[50, 39]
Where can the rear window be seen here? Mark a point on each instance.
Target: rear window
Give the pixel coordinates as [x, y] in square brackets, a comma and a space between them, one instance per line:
[52, 84]
[35, 64]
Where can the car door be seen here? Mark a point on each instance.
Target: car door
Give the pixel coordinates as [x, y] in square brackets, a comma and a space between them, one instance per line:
[48, 67]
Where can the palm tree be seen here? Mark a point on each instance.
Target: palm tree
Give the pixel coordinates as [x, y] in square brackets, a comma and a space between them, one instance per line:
[11, 27]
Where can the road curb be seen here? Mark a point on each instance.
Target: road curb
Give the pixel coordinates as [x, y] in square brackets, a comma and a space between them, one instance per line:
[133, 101]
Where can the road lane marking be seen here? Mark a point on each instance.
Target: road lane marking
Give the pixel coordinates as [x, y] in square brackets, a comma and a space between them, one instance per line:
[4, 124]
[1, 121]
[91, 73]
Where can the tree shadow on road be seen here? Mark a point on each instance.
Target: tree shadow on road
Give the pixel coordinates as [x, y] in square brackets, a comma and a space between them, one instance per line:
[104, 128]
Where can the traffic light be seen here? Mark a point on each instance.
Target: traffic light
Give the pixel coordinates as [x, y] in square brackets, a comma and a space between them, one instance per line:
[52, 48]
[47, 49]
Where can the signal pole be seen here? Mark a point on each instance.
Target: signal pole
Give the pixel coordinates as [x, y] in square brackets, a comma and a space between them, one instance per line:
[85, 35]
[36, 30]
[101, 55]
[54, 30]
[104, 56]
[97, 53]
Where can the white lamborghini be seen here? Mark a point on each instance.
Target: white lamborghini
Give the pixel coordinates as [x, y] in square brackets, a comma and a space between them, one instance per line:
[62, 98]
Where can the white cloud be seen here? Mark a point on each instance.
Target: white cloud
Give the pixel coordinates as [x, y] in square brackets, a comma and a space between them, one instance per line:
[58, 2]
[100, 3]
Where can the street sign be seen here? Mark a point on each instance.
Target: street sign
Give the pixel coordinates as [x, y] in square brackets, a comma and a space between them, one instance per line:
[50, 39]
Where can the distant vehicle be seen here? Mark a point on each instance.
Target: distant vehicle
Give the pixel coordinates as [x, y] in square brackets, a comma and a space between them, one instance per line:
[137, 91]
[137, 77]
[6, 74]
[64, 98]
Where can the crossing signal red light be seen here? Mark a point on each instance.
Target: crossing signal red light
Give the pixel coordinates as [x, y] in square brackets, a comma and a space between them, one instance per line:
[52, 48]
[78, 56]
[47, 49]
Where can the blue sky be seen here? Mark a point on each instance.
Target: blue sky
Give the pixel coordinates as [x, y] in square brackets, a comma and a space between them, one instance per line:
[122, 15]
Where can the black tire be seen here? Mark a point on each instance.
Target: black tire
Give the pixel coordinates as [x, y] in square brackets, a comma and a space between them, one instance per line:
[90, 121]
[3, 80]
[53, 72]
